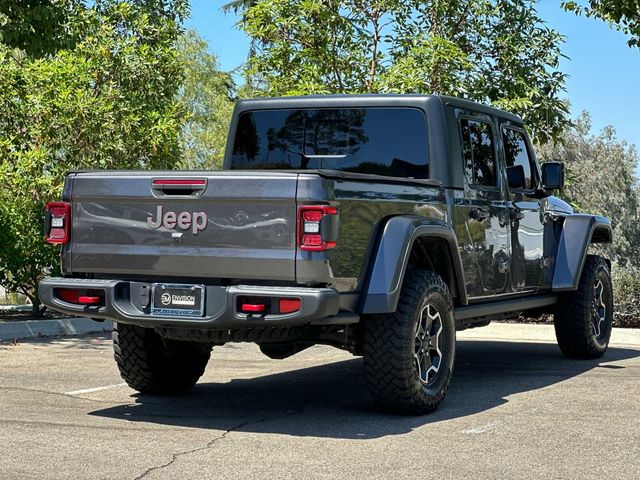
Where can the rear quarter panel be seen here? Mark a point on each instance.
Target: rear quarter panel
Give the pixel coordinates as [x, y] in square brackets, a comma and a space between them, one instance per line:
[363, 207]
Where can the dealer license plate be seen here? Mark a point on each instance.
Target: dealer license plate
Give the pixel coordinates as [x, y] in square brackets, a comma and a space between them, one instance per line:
[170, 299]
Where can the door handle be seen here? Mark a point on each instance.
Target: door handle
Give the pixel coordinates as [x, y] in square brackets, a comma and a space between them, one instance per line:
[193, 187]
[479, 214]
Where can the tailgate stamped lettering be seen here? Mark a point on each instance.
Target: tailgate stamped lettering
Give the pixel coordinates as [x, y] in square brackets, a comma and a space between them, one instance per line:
[196, 221]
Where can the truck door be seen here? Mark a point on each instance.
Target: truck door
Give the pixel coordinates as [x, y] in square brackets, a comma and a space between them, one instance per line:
[527, 227]
[482, 213]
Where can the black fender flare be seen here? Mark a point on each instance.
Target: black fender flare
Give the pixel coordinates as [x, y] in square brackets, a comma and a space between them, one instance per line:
[578, 231]
[390, 257]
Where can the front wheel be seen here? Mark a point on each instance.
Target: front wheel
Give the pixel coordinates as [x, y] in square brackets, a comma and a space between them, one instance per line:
[584, 318]
[409, 354]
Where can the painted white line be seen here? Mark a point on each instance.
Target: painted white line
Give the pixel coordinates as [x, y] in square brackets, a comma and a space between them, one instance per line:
[480, 429]
[95, 389]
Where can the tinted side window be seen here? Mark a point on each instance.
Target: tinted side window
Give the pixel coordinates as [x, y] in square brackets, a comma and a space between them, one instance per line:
[383, 141]
[517, 154]
[478, 152]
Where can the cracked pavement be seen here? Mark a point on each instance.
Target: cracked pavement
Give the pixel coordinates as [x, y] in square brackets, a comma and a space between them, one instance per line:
[515, 409]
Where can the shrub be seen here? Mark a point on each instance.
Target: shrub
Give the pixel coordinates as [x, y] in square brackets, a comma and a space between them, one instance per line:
[626, 296]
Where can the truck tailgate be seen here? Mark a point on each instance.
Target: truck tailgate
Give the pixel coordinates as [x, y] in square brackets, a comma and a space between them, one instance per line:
[239, 225]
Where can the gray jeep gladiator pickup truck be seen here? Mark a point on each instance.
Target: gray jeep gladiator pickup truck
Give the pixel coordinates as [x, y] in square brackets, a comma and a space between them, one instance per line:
[376, 224]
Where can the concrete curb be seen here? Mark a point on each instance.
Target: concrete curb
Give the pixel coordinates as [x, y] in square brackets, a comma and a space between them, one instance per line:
[51, 328]
[15, 308]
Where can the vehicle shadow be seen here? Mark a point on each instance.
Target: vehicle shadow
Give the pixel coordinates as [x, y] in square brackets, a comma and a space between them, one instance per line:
[332, 401]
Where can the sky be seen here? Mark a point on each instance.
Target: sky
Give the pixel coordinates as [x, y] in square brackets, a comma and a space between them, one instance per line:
[604, 73]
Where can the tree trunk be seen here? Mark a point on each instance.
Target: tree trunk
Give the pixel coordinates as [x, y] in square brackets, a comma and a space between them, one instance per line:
[374, 54]
[36, 311]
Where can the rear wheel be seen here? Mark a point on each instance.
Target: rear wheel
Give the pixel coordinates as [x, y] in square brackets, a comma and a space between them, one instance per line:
[584, 318]
[152, 364]
[409, 354]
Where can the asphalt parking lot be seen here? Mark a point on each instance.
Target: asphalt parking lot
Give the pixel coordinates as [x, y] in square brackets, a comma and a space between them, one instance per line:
[516, 409]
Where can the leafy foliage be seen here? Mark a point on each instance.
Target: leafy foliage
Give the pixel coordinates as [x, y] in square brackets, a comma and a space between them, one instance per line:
[206, 94]
[38, 27]
[626, 296]
[108, 102]
[237, 6]
[621, 14]
[491, 51]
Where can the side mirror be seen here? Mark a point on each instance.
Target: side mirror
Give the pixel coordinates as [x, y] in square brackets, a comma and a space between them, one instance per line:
[552, 175]
[515, 177]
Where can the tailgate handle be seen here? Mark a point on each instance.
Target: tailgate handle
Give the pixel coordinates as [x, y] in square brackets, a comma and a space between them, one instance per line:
[179, 186]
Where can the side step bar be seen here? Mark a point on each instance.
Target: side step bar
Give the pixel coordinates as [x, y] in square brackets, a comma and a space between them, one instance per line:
[490, 309]
[465, 315]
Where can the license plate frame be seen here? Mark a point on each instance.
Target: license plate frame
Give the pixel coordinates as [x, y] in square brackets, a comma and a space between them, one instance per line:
[178, 303]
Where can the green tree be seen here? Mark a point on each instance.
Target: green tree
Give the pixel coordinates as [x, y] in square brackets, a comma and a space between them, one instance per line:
[623, 15]
[498, 52]
[38, 27]
[109, 101]
[206, 94]
[602, 180]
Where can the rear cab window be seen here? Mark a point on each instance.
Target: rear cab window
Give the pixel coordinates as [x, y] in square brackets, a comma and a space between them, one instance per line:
[382, 141]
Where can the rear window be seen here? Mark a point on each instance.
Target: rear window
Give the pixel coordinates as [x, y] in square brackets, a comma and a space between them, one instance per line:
[382, 141]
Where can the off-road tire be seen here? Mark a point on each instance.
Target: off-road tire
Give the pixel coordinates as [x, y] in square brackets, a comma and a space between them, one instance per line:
[149, 363]
[389, 347]
[575, 321]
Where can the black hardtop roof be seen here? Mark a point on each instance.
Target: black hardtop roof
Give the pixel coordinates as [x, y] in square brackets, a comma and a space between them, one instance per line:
[369, 100]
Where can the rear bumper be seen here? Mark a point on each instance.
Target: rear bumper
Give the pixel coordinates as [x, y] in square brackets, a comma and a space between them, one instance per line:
[129, 302]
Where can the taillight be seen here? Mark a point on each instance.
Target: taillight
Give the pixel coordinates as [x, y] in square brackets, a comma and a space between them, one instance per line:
[253, 307]
[81, 296]
[289, 305]
[68, 295]
[317, 227]
[57, 222]
[267, 305]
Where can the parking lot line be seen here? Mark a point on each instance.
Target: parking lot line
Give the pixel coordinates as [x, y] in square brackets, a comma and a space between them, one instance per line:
[95, 389]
